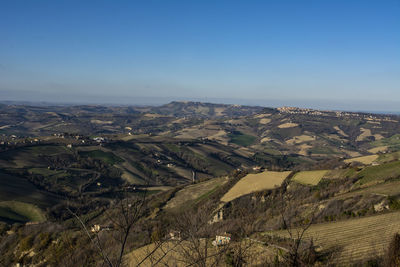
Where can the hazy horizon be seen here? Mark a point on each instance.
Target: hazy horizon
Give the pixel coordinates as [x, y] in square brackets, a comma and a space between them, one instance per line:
[341, 55]
[320, 104]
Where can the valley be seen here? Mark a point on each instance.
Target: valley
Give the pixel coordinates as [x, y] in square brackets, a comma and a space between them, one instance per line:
[252, 172]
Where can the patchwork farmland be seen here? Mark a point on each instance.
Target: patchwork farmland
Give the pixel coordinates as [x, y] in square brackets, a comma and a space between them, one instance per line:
[88, 160]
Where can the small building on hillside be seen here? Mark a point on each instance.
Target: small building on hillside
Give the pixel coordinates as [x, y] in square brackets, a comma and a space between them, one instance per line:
[221, 240]
[95, 228]
[174, 235]
[218, 217]
[257, 168]
[99, 139]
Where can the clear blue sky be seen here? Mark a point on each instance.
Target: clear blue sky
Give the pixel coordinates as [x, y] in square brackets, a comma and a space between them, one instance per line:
[303, 52]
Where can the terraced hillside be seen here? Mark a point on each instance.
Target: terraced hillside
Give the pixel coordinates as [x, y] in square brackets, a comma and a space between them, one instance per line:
[172, 161]
[355, 239]
[46, 174]
[391, 188]
[256, 254]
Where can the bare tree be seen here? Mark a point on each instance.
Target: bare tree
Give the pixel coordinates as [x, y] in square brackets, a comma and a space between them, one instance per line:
[393, 252]
[300, 251]
[197, 232]
[123, 215]
[158, 253]
[244, 252]
[241, 251]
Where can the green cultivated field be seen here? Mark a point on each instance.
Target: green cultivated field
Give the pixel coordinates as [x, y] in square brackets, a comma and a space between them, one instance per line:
[19, 189]
[47, 172]
[30, 156]
[241, 139]
[383, 158]
[15, 211]
[392, 142]
[107, 157]
[46, 150]
[389, 189]
[322, 150]
[21, 201]
[379, 172]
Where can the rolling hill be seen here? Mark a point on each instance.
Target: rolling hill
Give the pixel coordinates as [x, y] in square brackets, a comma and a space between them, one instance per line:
[196, 162]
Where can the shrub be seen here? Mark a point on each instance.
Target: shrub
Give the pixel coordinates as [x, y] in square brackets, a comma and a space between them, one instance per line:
[393, 253]
[394, 204]
[26, 243]
[3, 228]
[44, 241]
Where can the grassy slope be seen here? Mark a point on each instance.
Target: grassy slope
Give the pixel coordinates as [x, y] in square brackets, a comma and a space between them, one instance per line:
[340, 173]
[107, 157]
[10, 216]
[255, 182]
[364, 160]
[256, 254]
[47, 172]
[380, 172]
[388, 157]
[391, 188]
[309, 177]
[241, 139]
[20, 212]
[19, 189]
[192, 192]
[20, 201]
[392, 142]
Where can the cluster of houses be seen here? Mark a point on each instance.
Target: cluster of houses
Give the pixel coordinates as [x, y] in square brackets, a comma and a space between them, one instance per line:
[308, 111]
[14, 140]
[99, 139]
[96, 228]
[220, 240]
[295, 110]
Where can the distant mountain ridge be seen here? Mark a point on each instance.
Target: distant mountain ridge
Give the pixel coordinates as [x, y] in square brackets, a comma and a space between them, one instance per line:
[200, 109]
